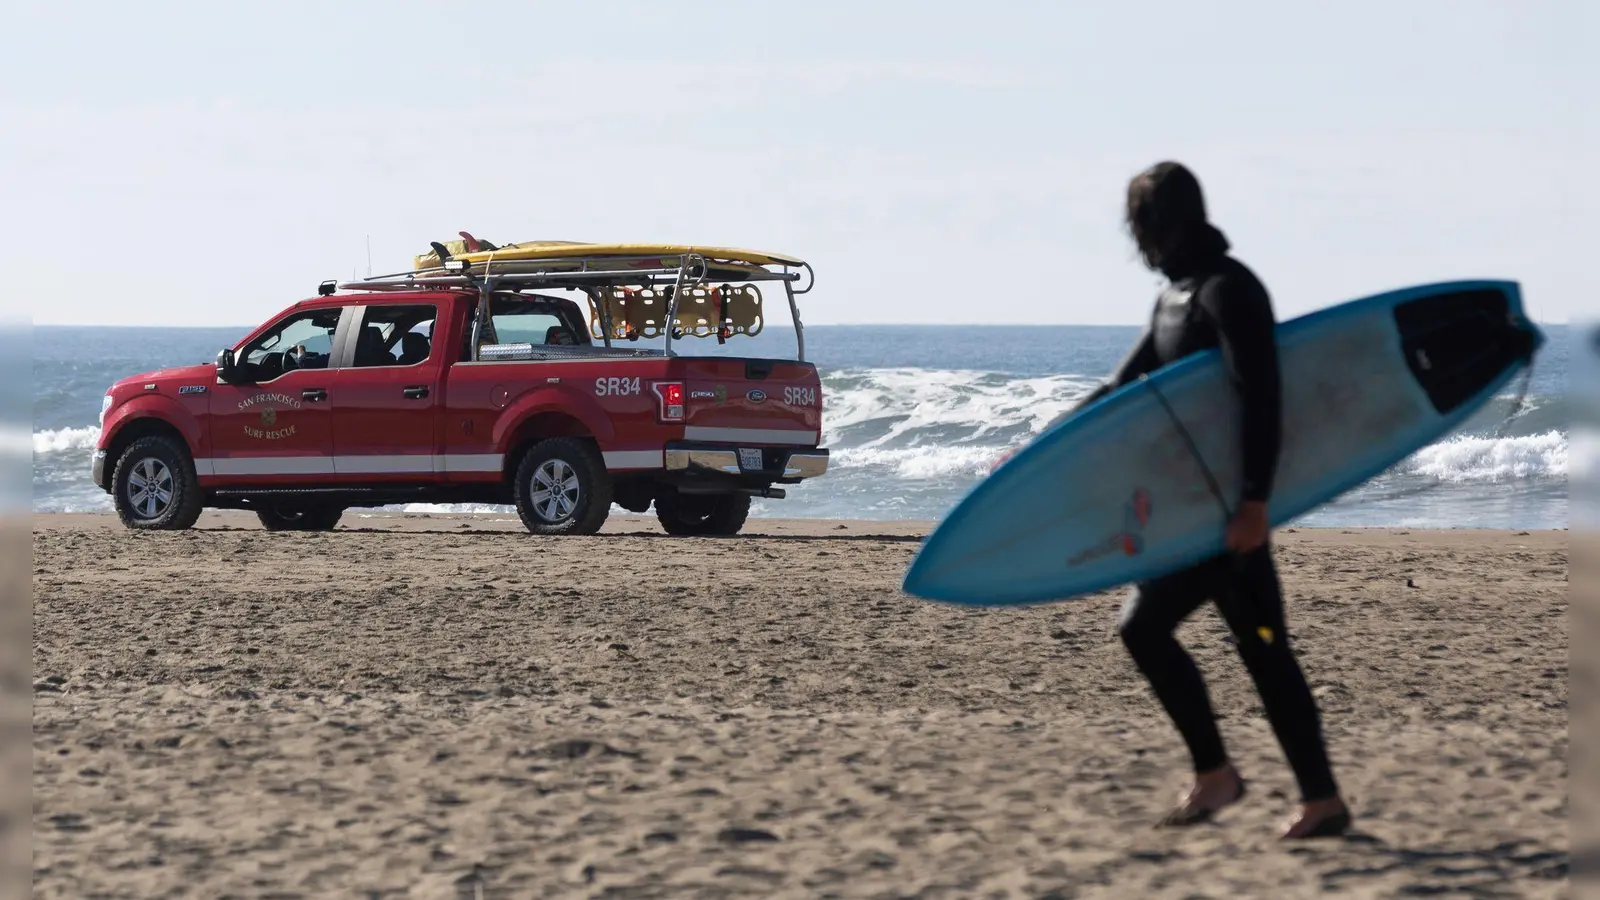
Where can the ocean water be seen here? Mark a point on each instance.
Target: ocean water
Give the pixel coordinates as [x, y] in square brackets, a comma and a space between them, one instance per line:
[913, 415]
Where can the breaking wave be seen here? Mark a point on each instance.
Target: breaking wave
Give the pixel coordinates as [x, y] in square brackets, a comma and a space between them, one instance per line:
[1486, 459]
[64, 440]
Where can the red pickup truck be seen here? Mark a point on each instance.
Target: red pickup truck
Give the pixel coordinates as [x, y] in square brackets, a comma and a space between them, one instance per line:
[473, 380]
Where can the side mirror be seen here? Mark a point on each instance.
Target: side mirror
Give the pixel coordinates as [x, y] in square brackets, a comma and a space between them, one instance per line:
[226, 367]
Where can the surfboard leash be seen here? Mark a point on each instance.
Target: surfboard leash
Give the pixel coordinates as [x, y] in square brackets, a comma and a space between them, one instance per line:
[1236, 561]
[1194, 448]
[1522, 399]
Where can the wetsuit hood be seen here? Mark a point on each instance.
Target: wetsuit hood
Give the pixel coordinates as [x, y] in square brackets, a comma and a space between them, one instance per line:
[1199, 253]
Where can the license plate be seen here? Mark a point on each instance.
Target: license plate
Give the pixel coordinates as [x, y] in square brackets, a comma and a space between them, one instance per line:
[750, 460]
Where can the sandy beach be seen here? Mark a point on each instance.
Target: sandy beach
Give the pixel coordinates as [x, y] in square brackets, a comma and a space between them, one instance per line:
[443, 707]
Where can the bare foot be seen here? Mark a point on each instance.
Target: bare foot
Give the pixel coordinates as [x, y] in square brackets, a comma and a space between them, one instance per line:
[1319, 818]
[1211, 792]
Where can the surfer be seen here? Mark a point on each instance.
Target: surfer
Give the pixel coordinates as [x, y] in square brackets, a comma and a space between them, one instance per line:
[1213, 300]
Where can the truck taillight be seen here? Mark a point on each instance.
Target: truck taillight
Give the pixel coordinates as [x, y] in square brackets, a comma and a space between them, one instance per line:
[670, 393]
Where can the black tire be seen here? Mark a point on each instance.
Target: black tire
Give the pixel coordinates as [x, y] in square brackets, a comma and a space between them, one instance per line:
[584, 499]
[701, 514]
[286, 517]
[163, 464]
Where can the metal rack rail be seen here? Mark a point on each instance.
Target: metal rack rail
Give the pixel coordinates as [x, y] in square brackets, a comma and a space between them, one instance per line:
[588, 274]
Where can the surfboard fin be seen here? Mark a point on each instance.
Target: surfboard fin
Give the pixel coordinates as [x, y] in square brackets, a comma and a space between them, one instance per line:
[475, 245]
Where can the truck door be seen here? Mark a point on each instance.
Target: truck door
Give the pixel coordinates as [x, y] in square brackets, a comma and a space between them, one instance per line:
[271, 425]
[386, 395]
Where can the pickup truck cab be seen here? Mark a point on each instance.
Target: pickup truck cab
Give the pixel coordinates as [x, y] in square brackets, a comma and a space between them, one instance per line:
[482, 380]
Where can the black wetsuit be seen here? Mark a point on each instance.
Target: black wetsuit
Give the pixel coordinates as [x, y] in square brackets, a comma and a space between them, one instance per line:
[1215, 301]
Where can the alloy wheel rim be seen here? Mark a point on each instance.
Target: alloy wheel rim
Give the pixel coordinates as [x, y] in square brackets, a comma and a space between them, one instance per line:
[150, 488]
[556, 490]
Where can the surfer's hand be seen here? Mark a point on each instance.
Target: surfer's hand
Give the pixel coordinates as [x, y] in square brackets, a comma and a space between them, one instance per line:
[1248, 529]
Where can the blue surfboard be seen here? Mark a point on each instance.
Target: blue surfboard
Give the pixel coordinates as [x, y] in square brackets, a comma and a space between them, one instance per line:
[1119, 492]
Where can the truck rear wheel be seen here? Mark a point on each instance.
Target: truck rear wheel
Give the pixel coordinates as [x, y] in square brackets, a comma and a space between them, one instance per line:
[154, 486]
[691, 514]
[285, 517]
[562, 487]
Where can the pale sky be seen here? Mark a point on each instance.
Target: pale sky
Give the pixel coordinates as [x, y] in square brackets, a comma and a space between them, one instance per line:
[209, 163]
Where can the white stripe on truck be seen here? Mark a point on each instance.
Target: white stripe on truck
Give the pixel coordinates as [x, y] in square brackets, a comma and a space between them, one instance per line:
[265, 465]
[398, 464]
[387, 465]
[474, 462]
[750, 435]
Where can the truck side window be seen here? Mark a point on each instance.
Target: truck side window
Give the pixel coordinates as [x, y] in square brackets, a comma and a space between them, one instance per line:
[301, 341]
[529, 319]
[526, 324]
[395, 336]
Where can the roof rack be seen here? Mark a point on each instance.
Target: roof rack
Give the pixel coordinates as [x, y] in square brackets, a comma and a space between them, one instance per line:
[588, 274]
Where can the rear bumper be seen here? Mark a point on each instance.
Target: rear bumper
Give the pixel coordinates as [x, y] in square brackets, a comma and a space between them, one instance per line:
[777, 463]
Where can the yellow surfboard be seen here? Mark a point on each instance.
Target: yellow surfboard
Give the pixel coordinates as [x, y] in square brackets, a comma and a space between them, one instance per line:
[560, 250]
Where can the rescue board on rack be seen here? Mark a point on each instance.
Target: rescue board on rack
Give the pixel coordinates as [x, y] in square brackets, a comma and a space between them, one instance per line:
[1115, 493]
[555, 253]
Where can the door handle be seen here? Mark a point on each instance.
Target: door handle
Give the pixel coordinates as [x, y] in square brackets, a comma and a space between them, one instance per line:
[416, 392]
[314, 394]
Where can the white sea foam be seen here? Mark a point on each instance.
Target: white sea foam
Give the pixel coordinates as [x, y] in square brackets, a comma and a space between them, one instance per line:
[917, 463]
[909, 407]
[1485, 459]
[61, 440]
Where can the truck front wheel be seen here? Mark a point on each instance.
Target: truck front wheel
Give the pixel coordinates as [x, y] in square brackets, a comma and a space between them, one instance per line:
[690, 514]
[562, 487]
[154, 486]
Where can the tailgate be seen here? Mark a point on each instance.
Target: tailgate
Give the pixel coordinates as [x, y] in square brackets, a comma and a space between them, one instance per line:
[774, 402]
